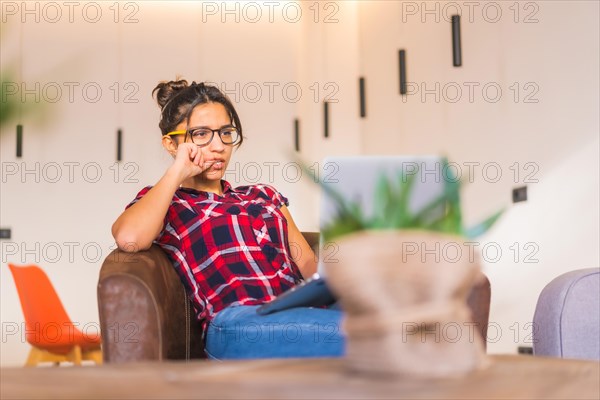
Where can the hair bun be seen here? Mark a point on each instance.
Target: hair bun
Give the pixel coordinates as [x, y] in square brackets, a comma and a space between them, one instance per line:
[167, 90]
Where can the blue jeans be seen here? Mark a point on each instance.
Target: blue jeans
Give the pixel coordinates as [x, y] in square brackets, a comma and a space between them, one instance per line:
[238, 332]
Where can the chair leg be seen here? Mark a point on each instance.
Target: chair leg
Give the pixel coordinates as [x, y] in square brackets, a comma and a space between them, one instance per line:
[75, 355]
[93, 355]
[34, 357]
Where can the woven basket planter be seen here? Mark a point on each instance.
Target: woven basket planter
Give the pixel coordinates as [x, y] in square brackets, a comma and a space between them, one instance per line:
[404, 294]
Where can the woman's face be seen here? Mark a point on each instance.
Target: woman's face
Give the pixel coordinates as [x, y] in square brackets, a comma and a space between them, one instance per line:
[212, 116]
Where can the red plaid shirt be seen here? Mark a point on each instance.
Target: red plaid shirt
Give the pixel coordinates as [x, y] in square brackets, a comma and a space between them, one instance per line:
[229, 249]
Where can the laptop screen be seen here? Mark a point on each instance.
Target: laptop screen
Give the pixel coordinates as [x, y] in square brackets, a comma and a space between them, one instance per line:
[356, 179]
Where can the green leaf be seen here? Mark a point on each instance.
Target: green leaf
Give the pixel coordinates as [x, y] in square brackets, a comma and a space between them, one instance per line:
[356, 212]
[383, 203]
[452, 192]
[425, 215]
[403, 216]
[340, 227]
[483, 226]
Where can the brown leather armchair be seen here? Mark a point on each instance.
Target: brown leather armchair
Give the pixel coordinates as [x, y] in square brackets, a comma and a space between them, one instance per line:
[145, 313]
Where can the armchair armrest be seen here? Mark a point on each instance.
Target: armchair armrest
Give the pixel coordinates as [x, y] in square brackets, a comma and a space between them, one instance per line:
[144, 311]
[313, 239]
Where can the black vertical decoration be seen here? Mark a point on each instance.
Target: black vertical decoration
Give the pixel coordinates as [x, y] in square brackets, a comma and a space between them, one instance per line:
[19, 141]
[326, 118]
[119, 143]
[363, 101]
[402, 67]
[297, 134]
[456, 51]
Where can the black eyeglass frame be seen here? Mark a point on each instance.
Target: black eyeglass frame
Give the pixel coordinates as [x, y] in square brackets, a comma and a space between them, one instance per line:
[220, 131]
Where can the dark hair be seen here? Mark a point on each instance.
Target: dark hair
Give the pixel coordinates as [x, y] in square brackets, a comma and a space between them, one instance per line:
[177, 100]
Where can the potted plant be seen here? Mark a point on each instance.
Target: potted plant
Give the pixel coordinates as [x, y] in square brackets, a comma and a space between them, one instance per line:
[403, 278]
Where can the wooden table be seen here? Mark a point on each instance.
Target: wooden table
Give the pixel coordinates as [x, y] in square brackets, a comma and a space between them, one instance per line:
[507, 377]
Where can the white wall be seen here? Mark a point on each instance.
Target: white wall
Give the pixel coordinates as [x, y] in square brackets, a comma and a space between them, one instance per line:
[559, 54]
[554, 140]
[556, 231]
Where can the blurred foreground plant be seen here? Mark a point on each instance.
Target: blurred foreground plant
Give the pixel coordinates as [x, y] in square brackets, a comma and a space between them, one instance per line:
[391, 209]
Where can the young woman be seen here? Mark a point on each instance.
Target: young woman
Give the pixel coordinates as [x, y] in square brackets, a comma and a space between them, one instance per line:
[230, 246]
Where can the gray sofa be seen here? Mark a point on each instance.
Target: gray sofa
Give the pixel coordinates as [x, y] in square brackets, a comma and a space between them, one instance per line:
[566, 323]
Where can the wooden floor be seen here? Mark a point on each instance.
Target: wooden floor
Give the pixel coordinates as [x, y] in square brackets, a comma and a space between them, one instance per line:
[507, 377]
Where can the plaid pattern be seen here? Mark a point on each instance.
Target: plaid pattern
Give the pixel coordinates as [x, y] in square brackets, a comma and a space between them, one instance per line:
[230, 249]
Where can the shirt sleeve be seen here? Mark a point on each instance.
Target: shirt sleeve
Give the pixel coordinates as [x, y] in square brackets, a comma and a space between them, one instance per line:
[277, 198]
[137, 198]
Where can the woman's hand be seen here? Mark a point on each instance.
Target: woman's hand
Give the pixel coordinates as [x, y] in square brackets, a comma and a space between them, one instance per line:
[189, 161]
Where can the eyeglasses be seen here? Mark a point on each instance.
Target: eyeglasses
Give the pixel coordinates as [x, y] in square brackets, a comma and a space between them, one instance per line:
[203, 136]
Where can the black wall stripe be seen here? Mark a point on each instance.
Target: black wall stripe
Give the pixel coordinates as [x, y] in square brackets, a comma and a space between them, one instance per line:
[363, 101]
[326, 118]
[19, 140]
[297, 134]
[402, 68]
[456, 50]
[119, 144]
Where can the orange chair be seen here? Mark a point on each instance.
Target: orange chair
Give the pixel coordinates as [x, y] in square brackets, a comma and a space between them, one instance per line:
[49, 329]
